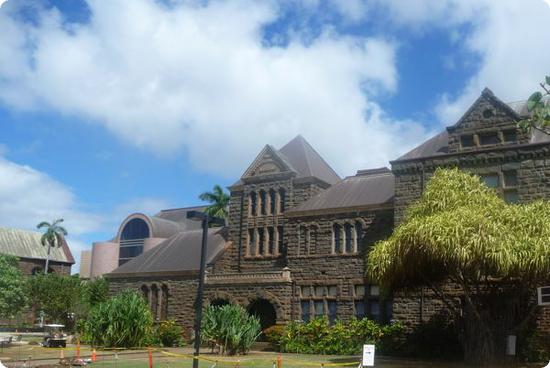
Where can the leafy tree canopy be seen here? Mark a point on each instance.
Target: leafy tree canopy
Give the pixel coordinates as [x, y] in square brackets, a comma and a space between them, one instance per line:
[538, 105]
[463, 231]
[493, 253]
[12, 287]
[219, 201]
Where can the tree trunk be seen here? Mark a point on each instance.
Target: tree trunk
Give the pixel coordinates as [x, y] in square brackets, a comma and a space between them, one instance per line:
[479, 342]
[47, 260]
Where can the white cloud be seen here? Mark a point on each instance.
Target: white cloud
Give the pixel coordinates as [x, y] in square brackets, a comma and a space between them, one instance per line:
[509, 37]
[199, 78]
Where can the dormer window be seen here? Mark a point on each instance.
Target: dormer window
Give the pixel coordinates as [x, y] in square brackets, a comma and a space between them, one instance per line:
[489, 138]
[467, 141]
[510, 136]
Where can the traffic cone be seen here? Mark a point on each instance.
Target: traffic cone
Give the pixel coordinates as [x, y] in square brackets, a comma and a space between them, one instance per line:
[78, 349]
[279, 361]
[150, 358]
[94, 356]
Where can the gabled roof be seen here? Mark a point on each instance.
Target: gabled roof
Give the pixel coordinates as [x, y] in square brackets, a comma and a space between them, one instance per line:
[26, 244]
[439, 144]
[299, 157]
[307, 162]
[368, 188]
[177, 254]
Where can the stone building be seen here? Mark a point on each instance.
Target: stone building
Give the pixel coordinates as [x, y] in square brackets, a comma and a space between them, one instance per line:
[26, 246]
[296, 236]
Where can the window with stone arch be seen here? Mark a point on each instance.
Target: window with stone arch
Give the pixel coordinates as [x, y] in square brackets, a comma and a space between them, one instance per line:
[337, 239]
[282, 194]
[272, 202]
[251, 248]
[263, 203]
[252, 204]
[154, 301]
[359, 236]
[349, 240]
[163, 302]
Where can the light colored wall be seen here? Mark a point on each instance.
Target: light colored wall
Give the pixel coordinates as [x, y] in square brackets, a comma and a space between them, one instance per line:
[104, 258]
[85, 264]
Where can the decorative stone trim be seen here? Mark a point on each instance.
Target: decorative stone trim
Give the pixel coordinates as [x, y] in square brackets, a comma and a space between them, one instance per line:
[250, 278]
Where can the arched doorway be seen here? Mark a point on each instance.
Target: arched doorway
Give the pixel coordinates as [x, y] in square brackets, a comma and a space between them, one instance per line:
[265, 311]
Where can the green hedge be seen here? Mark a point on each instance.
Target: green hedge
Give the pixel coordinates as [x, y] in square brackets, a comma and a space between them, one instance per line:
[341, 338]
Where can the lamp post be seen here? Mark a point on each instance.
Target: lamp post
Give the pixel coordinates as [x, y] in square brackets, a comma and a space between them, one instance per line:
[206, 220]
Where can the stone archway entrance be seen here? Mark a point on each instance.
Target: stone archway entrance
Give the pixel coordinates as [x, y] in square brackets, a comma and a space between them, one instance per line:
[265, 311]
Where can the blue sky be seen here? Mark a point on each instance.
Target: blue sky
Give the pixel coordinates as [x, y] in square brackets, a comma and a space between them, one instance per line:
[107, 108]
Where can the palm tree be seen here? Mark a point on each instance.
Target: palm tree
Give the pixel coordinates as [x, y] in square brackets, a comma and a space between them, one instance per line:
[53, 236]
[219, 202]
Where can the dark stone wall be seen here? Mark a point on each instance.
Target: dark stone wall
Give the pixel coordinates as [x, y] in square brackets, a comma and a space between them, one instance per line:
[182, 292]
[27, 265]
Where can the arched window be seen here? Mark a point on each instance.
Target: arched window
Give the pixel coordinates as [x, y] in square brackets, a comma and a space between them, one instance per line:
[154, 301]
[131, 239]
[348, 234]
[359, 236]
[253, 203]
[135, 229]
[270, 241]
[282, 199]
[251, 242]
[272, 202]
[261, 241]
[337, 238]
[280, 239]
[164, 302]
[263, 202]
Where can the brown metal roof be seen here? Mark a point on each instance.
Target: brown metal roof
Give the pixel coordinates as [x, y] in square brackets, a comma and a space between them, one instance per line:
[180, 215]
[307, 162]
[26, 244]
[369, 188]
[179, 253]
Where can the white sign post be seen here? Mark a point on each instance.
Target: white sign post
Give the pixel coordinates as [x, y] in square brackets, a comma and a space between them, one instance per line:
[368, 355]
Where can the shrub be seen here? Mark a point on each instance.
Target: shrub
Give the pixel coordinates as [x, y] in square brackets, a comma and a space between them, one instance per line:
[230, 327]
[537, 348]
[169, 333]
[343, 337]
[122, 321]
[274, 334]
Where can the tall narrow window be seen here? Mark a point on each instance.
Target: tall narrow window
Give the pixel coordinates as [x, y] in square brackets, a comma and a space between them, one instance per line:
[253, 203]
[319, 308]
[251, 242]
[271, 241]
[154, 301]
[263, 202]
[272, 202]
[359, 235]
[332, 308]
[337, 236]
[282, 199]
[305, 310]
[280, 239]
[349, 238]
[261, 241]
[302, 241]
[164, 303]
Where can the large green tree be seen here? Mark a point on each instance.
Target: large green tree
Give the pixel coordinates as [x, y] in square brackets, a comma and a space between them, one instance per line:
[57, 295]
[54, 236]
[219, 201]
[538, 106]
[12, 287]
[462, 233]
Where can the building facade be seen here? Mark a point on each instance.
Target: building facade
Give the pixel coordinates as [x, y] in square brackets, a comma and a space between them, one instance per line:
[295, 242]
[28, 248]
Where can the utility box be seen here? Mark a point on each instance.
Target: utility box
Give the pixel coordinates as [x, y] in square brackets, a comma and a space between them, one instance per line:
[511, 345]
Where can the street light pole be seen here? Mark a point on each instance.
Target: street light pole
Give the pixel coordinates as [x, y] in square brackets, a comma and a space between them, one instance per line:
[206, 220]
